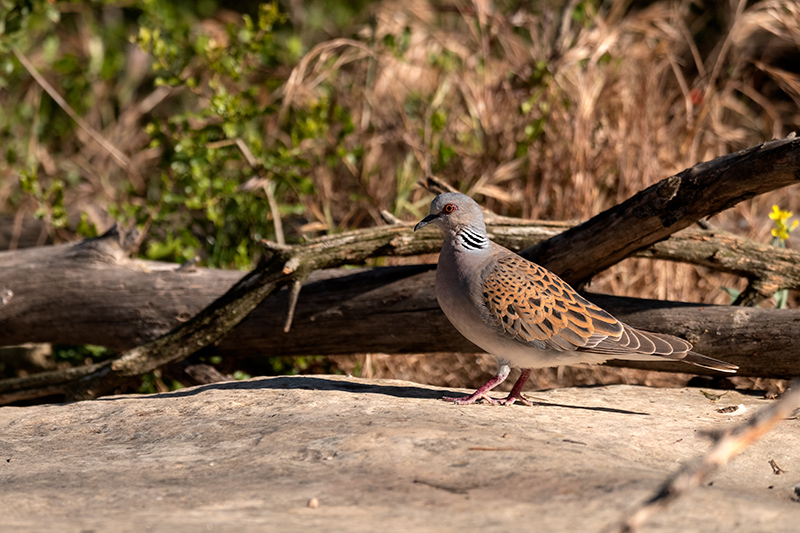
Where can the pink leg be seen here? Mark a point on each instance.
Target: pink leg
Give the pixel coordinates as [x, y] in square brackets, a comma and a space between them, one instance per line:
[481, 394]
[516, 391]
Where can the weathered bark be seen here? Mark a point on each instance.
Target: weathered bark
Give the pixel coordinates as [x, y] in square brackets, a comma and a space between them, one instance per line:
[203, 329]
[92, 293]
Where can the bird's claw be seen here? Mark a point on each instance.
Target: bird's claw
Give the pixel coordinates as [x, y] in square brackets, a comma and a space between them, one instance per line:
[467, 400]
[511, 399]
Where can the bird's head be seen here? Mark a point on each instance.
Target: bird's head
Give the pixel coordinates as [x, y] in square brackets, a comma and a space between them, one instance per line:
[453, 210]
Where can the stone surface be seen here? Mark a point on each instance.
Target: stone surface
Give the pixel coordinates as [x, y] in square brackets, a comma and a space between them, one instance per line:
[382, 456]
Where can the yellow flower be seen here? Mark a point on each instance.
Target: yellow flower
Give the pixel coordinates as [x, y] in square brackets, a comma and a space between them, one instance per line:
[779, 216]
[781, 230]
[780, 233]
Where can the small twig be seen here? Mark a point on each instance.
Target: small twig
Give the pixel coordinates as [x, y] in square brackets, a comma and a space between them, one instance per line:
[264, 182]
[390, 218]
[294, 294]
[269, 189]
[757, 291]
[142, 235]
[435, 185]
[729, 444]
[563, 30]
[120, 158]
[777, 470]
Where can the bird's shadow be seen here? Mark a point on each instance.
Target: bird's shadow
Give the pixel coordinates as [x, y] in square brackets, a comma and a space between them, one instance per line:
[541, 403]
[326, 384]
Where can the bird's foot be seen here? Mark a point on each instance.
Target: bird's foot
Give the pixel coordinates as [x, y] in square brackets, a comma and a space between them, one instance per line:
[516, 391]
[480, 394]
[472, 398]
[511, 399]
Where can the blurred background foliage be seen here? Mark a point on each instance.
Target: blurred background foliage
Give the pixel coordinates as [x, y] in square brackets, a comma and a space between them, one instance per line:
[210, 125]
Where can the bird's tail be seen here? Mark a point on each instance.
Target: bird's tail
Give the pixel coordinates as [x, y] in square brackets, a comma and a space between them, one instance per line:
[709, 362]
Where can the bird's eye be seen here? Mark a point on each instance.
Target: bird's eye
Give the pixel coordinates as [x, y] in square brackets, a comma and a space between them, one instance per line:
[449, 208]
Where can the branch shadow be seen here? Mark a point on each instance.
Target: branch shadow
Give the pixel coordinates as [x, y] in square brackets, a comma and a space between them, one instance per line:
[341, 385]
[589, 408]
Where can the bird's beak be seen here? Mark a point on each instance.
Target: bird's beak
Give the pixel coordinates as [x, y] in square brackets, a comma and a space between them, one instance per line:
[425, 221]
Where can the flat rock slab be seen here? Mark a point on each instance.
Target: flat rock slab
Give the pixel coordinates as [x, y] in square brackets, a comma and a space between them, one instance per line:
[383, 456]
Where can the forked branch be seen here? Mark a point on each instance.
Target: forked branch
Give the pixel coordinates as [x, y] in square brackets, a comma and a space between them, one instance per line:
[286, 264]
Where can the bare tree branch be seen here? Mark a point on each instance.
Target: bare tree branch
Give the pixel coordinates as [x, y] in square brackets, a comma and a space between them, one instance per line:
[667, 207]
[285, 264]
[728, 445]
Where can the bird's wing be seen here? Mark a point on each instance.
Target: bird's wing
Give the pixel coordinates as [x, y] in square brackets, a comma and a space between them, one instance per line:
[531, 305]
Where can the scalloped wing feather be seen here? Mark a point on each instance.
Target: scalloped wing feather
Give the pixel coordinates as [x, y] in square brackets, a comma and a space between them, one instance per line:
[531, 305]
[534, 306]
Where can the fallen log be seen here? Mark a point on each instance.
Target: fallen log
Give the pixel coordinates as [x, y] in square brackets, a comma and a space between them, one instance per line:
[92, 293]
[644, 220]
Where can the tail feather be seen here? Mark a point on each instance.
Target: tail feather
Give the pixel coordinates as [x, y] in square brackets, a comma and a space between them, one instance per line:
[635, 344]
[709, 362]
